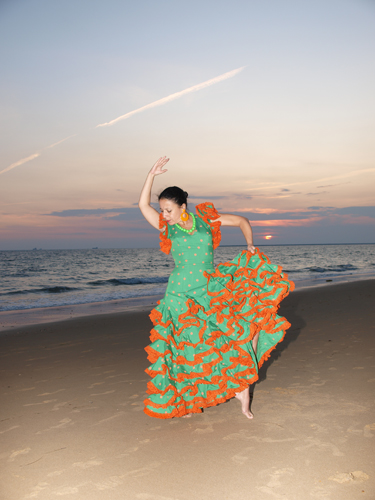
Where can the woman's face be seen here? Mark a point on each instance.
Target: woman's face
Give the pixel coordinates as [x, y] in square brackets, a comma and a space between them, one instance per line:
[171, 211]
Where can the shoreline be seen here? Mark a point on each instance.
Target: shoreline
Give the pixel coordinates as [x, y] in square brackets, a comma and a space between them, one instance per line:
[9, 320]
[38, 316]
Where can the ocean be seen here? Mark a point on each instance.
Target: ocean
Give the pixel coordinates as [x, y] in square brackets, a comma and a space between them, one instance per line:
[47, 278]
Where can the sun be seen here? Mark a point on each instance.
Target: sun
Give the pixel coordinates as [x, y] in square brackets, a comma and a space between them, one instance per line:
[268, 237]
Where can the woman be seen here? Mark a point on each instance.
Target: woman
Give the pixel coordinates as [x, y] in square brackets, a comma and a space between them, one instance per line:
[214, 328]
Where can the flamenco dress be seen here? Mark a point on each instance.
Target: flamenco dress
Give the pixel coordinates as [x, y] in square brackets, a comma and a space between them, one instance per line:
[201, 350]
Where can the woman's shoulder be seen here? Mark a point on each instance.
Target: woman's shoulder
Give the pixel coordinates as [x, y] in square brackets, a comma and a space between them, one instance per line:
[207, 211]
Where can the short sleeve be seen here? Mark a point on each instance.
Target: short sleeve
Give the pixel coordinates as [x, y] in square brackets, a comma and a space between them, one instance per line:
[209, 214]
[165, 242]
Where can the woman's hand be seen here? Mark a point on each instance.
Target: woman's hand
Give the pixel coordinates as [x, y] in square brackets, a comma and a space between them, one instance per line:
[251, 248]
[157, 169]
[149, 212]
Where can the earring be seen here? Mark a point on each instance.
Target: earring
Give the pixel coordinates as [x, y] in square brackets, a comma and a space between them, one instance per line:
[184, 216]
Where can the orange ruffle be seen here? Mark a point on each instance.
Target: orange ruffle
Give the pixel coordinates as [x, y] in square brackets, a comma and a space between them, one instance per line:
[165, 242]
[209, 214]
[236, 297]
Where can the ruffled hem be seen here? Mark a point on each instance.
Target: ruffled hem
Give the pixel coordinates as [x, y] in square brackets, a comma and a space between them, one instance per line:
[204, 356]
[165, 242]
[209, 214]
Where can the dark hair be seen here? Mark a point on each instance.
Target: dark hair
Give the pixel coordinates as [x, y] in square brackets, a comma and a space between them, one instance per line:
[175, 194]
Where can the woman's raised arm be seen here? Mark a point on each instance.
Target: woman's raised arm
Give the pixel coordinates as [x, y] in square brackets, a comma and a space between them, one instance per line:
[243, 224]
[148, 212]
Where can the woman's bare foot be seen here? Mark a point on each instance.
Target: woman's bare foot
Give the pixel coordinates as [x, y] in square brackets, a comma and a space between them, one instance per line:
[188, 415]
[244, 397]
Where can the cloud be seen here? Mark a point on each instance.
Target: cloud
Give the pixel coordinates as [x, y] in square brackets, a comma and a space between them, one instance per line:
[360, 215]
[209, 197]
[318, 207]
[177, 95]
[278, 215]
[358, 211]
[84, 212]
[285, 222]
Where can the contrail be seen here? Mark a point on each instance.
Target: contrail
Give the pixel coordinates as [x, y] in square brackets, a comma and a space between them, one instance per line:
[352, 173]
[32, 157]
[20, 162]
[160, 102]
[177, 95]
[59, 142]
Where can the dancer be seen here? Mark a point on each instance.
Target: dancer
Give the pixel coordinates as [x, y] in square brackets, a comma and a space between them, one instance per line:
[214, 328]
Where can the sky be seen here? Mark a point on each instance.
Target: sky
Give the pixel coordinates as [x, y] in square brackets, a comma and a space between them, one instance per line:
[265, 108]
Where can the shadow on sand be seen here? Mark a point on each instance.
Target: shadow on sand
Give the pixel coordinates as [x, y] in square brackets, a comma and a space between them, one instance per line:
[287, 309]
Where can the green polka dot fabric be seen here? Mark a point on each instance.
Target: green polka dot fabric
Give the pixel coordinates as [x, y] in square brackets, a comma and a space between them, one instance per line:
[201, 351]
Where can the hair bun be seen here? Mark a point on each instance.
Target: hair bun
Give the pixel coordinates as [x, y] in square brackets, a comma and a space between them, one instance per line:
[175, 194]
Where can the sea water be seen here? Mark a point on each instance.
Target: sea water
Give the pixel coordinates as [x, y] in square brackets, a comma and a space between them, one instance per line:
[47, 278]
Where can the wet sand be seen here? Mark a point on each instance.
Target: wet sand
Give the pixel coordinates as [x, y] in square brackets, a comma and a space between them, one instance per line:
[72, 422]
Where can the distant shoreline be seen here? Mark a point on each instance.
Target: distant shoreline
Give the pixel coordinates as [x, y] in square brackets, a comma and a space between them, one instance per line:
[156, 247]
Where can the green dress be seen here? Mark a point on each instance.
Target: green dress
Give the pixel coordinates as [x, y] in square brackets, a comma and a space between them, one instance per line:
[201, 352]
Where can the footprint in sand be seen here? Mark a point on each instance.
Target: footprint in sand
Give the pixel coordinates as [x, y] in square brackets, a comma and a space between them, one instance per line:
[68, 490]
[114, 376]
[87, 465]
[50, 393]
[277, 478]
[57, 406]
[242, 458]
[41, 403]
[143, 471]
[203, 430]
[37, 489]
[109, 484]
[10, 429]
[103, 393]
[15, 454]
[94, 384]
[128, 451]
[56, 473]
[320, 493]
[152, 496]
[243, 435]
[239, 459]
[311, 442]
[63, 423]
[348, 477]
[116, 415]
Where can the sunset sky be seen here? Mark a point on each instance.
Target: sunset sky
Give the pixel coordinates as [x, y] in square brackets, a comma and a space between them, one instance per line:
[266, 108]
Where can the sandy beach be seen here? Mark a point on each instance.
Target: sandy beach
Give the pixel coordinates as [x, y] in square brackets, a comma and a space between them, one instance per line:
[72, 422]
